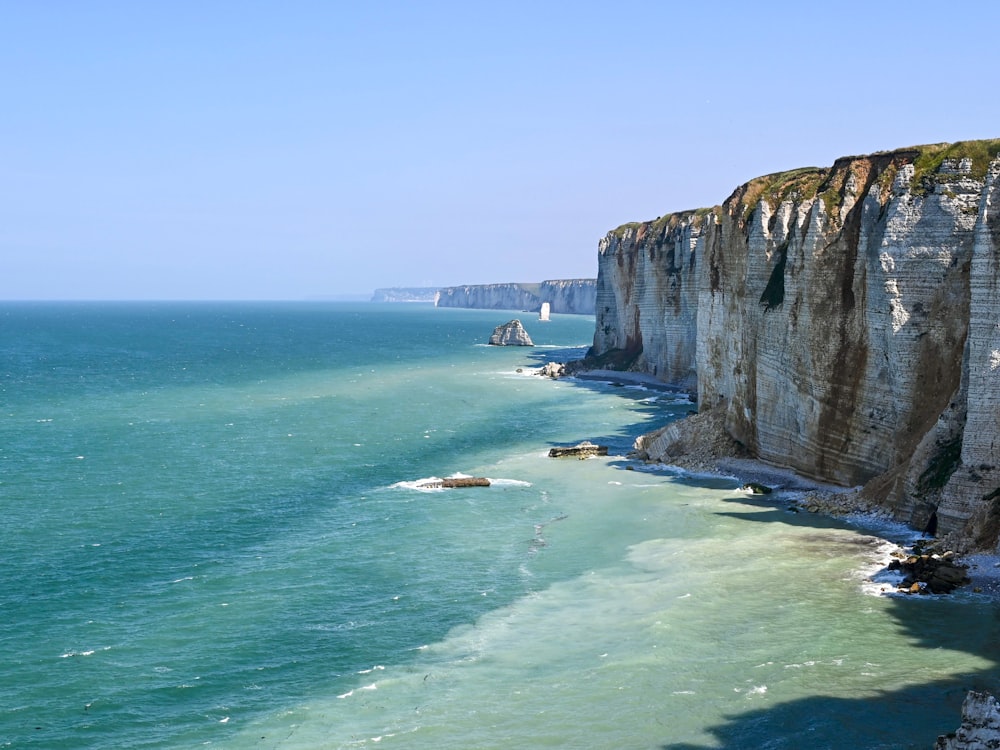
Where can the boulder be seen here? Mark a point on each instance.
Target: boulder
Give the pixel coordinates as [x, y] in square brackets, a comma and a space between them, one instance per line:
[930, 573]
[511, 333]
[552, 370]
[980, 726]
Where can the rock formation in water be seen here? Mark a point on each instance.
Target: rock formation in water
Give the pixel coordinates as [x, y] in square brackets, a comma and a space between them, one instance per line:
[511, 334]
[844, 321]
[586, 449]
[980, 728]
[572, 296]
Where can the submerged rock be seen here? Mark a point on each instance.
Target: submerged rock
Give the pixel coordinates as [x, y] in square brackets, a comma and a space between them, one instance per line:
[581, 450]
[455, 482]
[511, 334]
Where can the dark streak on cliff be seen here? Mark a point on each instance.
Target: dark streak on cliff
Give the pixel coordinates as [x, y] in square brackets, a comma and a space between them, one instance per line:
[826, 313]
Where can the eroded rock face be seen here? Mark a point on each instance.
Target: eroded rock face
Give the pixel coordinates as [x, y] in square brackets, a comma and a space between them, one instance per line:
[647, 295]
[844, 320]
[511, 334]
[980, 728]
[569, 296]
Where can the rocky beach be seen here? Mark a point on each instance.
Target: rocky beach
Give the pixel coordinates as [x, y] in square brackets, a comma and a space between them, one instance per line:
[699, 444]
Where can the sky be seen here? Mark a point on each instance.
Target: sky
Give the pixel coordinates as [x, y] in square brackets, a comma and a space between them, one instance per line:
[218, 150]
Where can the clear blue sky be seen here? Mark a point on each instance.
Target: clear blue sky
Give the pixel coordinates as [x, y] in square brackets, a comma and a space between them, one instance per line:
[265, 150]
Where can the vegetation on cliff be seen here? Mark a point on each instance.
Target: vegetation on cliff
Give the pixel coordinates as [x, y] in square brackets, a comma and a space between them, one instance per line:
[827, 184]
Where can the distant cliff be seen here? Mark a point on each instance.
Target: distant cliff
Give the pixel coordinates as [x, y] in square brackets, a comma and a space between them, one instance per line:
[573, 296]
[405, 294]
[845, 320]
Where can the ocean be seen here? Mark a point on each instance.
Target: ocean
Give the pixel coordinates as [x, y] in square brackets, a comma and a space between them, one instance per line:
[214, 535]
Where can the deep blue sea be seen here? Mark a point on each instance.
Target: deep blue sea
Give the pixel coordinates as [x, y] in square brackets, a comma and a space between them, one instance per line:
[213, 536]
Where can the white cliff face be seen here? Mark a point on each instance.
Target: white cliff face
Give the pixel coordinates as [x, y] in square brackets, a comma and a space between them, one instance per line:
[647, 295]
[487, 297]
[569, 296]
[844, 320]
[980, 727]
[971, 497]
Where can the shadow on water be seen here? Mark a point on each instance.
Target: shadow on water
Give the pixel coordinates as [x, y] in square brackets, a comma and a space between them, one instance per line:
[652, 413]
[883, 721]
[886, 719]
[889, 718]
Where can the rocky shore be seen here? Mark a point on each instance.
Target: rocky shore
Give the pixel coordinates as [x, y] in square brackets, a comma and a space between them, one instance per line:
[700, 444]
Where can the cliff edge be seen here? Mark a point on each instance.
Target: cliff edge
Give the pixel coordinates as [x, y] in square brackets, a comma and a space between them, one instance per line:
[844, 321]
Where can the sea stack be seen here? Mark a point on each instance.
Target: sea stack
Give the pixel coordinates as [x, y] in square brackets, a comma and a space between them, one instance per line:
[511, 334]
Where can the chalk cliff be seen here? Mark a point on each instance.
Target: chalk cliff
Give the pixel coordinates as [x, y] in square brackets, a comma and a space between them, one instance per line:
[845, 320]
[404, 294]
[573, 296]
[980, 727]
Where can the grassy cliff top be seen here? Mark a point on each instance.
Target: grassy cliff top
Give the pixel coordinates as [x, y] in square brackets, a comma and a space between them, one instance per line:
[931, 157]
[694, 216]
[811, 182]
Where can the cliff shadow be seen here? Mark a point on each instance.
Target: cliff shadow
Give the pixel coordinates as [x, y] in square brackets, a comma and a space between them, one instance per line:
[655, 405]
[964, 622]
[889, 720]
[910, 717]
[650, 411]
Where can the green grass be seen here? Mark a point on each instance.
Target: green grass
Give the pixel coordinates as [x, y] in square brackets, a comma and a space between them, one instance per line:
[805, 183]
[696, 217]
[796, 185]
[942, 465]
[932, 157]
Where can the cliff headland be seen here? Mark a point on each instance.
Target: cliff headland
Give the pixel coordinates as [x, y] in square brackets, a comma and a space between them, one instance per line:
[405, 294]
[839, 322]
[570, 296]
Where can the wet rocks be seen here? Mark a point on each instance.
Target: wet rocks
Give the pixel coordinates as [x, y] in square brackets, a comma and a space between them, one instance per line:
[552, 370]
[456, 482]
[585, 449]
[930, 573]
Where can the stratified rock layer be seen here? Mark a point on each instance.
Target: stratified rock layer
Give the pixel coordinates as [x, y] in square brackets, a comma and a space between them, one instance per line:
[980, 728]
[843, 320]
[511, 334]
[572, 296]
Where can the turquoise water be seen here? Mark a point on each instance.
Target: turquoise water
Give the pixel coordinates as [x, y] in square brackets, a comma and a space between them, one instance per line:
[212, 537]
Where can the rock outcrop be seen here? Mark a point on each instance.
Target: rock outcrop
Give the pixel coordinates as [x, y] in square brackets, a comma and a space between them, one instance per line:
[930, 573]
[511, 334]
[454, 483]
[843, 321]
[567, 296]
[980, 728]
[586, 449]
